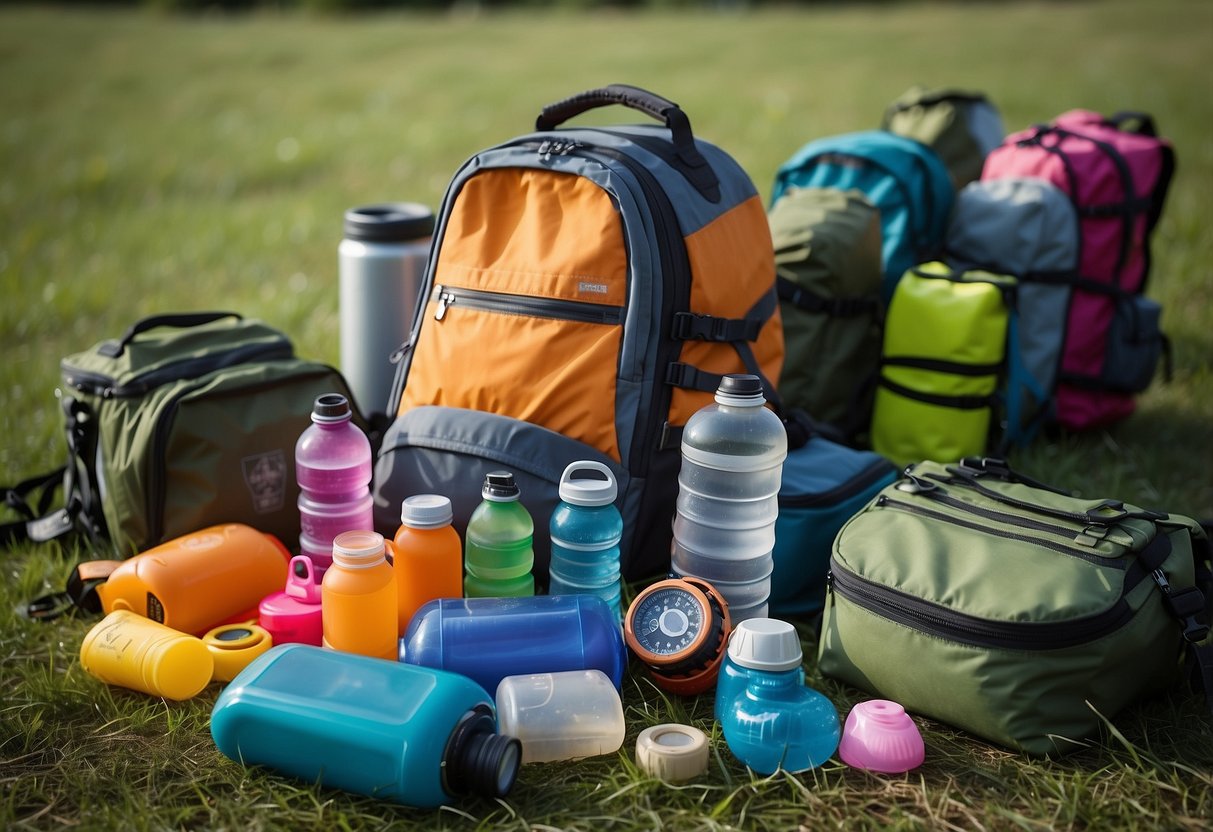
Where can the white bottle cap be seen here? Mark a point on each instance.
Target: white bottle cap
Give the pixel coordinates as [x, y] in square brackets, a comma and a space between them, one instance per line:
[588, 491]
[765, 644]
[426, 511]
[358, 549]
[673, 752]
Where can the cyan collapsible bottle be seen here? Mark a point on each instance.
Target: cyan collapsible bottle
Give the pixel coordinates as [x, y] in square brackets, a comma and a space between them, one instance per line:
[418, 736]
[586, 529]
[498, 546]
[742, 656]
[775, 721]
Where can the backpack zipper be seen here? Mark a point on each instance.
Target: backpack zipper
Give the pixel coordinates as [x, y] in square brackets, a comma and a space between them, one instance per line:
[106, 387]
[856, 485]
[157, 475]
[944, 622]
[883, 501]
[506, 304]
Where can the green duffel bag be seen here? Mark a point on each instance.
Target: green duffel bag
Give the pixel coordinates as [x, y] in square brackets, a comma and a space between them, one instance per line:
[985, 600]
[185, 421]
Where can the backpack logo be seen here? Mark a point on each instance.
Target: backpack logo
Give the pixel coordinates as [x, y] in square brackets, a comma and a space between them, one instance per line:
[265, 476]
[585, 286]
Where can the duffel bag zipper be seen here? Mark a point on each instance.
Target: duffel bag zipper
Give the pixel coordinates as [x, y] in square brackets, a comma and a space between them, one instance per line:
[856, 485]
[99, 384]
[157, 476]
[506, 304]
[944, 622]
[884, 501]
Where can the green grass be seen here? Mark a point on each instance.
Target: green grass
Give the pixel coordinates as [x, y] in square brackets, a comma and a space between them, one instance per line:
[151, 163]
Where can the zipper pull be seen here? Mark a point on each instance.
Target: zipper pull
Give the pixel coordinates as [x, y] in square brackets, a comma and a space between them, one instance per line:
[445, 299]
[545, 150]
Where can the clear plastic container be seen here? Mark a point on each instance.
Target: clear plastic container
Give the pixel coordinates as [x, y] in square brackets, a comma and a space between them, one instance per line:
[498, 553]
[561, 716]
[586, 529]
[728, 487]
[429, 556]
[358, 597]
[414, 735]
[333, 469]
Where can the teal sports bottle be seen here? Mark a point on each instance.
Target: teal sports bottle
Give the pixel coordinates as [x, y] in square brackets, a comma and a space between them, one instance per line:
[414, 735]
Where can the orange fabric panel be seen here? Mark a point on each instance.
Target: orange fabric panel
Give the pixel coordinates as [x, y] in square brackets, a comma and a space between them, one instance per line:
[570, 389]
[535, 232]
[733, 260]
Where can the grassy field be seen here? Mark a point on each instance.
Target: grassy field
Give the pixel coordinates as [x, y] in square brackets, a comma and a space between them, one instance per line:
[151, 163]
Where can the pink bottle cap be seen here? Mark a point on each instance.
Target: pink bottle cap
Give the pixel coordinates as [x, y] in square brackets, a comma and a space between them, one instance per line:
[880, 736]
[294, 616]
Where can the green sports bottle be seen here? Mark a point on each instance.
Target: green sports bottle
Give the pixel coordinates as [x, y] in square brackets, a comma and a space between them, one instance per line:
[498, 553]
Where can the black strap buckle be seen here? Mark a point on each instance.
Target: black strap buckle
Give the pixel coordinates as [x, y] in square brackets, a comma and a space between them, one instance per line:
[1185, 605]
[690, 326]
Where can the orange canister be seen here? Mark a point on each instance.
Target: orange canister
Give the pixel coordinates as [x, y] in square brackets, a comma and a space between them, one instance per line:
[134, 652]
[198, 581]
[428, 560]
[358, 596]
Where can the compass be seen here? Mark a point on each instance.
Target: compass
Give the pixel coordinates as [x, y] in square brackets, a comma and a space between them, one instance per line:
[678, 627]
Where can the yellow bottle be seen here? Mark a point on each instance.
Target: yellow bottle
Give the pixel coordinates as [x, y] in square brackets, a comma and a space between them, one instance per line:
[428, 559]
[358, 607]
[134, 652]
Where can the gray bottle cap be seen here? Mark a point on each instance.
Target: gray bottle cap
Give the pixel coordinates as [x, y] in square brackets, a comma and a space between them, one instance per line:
[588, 491]
[389, 222]
[426, 511]
[765, 644]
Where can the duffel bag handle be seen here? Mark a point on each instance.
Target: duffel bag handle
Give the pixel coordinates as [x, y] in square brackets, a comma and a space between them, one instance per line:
[1133, 121]
[651, 104]
[113, 349]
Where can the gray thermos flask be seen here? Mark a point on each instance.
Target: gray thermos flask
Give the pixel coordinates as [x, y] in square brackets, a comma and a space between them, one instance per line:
[382, 266]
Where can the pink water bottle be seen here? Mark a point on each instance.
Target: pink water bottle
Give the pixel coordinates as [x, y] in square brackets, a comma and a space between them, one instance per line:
[333, 469]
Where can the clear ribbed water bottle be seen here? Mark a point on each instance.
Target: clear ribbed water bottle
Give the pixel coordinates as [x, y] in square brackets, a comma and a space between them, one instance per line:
[586, 529]
[728, 487]
[333, 469]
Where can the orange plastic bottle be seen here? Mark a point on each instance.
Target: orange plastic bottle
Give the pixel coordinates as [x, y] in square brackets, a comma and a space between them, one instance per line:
[198, 581]
[429, 555]
[358, 597]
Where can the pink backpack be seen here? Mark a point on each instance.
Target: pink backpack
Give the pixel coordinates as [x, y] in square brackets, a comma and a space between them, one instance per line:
[1116, 172]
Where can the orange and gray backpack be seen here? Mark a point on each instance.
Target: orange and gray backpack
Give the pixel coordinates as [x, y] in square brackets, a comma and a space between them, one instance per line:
[586, 290]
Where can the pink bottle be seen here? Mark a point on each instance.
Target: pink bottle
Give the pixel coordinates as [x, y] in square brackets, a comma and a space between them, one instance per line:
[333, 469]
[293, 616]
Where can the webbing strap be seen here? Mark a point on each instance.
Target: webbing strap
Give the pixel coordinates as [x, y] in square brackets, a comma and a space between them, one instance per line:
[804, 298]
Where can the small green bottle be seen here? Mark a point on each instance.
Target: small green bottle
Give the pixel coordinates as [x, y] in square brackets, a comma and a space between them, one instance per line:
[498, 554]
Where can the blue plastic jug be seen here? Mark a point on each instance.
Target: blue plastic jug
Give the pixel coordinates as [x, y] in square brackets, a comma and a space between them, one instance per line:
[488, 639]
[418, 736]
[746, 652]
[777, 722]
[586, 529]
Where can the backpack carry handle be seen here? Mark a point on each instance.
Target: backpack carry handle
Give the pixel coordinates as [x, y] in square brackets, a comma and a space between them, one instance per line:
[113, 349]
[1134, 121]
[651, 104]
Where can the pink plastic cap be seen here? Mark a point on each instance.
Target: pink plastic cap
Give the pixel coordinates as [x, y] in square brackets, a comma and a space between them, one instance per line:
[880, 736]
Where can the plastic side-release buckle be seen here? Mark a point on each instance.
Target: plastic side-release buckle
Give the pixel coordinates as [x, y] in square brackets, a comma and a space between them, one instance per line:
[1186, 605]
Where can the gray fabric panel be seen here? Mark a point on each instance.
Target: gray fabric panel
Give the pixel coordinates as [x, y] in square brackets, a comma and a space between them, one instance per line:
[985, 125]
[1013, 226]
[1042, 327]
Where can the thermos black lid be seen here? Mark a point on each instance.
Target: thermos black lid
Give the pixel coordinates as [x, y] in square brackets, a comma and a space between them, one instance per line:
[389, 222]
[740, 384]
[477, 759]
[500, 486]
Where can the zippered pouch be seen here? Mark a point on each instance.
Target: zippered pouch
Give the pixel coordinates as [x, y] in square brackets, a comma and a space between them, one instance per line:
[824, 484]
[988, 601]
[187, 421]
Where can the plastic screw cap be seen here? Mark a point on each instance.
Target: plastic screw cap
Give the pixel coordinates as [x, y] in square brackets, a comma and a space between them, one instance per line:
[880, 736]
[672, 752]
[330, 407]
[740, 389]
[588, 491]
[426, 511]
[500, 486]
[766, 644]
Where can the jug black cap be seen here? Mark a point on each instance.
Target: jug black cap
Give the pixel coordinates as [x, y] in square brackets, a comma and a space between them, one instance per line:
[389, 222]
[740, 384]
[477, 759]
[330, 407]
[500, 486]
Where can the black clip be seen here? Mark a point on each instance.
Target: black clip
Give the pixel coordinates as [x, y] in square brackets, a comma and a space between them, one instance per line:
[1184, 605]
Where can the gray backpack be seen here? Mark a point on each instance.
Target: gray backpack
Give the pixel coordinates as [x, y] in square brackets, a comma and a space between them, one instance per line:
[1026, 228]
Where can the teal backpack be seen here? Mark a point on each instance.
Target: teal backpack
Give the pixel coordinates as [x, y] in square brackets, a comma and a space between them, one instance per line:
[903, 178]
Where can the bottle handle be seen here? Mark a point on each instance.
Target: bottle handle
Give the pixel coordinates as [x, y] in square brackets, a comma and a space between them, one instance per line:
[586, 465]
[301, 580]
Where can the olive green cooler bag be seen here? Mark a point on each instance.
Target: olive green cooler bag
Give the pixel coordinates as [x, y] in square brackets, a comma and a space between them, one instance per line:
[982, 599]
[185, 421]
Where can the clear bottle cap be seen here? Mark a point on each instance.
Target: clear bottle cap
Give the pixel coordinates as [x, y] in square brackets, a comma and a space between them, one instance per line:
[358, 549]
[426, 511]
[765, 644]
[588, 491]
